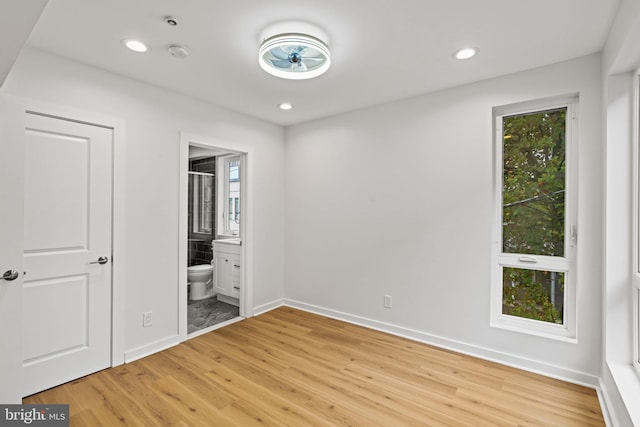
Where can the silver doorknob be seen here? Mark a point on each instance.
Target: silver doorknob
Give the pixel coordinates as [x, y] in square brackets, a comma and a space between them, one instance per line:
[101, 260]
[10, 275]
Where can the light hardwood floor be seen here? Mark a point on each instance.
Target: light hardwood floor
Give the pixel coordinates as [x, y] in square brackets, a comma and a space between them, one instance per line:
[292, 368]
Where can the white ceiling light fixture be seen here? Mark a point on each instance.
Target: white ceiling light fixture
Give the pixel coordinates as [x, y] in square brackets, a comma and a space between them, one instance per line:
[466, 53]
[294, 55]
[136, 45]
[170, 20]
[285, 106]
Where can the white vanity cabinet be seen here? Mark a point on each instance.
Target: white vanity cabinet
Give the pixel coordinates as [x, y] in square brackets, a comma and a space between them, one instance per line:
[226, 268]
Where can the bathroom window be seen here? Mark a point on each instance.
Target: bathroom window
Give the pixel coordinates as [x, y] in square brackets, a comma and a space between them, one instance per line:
[533, 287]
[230, 195]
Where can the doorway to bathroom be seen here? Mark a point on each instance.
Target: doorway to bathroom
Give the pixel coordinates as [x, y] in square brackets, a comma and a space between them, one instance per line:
[213, 226]
[212, 285]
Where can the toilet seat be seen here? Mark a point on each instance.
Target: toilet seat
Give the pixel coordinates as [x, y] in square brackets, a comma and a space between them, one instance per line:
[201, 267]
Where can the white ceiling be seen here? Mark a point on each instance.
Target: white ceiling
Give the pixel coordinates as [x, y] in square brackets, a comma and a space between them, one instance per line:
[382, 50]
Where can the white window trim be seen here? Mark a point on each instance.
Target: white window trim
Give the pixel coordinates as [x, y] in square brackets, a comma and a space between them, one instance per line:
[222, 171]
[635, 276]
[567, 331]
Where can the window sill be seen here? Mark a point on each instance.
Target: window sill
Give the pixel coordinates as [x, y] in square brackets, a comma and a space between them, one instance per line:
[530, 327]
[227, 236]
[627, 381]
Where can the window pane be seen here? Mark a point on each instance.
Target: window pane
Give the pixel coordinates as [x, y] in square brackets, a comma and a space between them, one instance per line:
[234, 170]
[233, 191]
[533, 191]
[533, 294]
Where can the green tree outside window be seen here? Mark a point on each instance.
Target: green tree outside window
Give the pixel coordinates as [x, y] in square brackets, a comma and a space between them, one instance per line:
[533, 211]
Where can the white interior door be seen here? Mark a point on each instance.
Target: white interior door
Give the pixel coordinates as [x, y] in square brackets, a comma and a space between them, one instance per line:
[11, 241]
[66, 304]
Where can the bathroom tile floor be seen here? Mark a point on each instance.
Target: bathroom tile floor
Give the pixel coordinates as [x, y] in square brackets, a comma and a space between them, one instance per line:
[208, 312]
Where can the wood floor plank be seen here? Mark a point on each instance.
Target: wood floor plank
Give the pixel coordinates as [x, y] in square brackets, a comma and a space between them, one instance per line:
[441, 407]
[187, 404]
[352, 397]
[288, 367]
[93, 394]
[85, 418]
[336, 414]
[258, 398]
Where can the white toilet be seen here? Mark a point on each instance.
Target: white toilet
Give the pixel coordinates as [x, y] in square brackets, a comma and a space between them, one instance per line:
[200, 278]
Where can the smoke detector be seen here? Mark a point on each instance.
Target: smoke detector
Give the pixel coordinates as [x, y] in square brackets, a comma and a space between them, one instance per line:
[178, 51]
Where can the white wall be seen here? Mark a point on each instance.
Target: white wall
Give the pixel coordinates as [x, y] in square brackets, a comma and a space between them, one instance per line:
[19, 18]
[154, 119]
[620, 53]
[397, 199]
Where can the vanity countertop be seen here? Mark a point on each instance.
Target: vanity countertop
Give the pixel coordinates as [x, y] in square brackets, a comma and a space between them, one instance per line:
[235, 241]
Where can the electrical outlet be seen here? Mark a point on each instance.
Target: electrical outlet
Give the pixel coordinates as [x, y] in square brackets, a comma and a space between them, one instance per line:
[387, 301]
[146, 319]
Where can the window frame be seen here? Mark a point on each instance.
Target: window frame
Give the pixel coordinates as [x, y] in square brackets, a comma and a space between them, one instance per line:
[223, 191]
[635, 276]
[566, 264]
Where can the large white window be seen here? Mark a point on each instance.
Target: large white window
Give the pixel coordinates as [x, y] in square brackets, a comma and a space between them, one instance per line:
[534, 280]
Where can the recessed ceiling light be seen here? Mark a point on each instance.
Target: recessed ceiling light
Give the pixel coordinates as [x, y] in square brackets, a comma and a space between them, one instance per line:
[285, 106]
[466, 53]
[136, 45]
[171, 21]
[294, 56]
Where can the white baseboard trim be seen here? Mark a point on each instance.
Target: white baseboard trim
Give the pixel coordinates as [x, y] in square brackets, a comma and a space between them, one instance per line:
[604, 397]
[268, 307]
[149, 349]
[514, 361]
[163, 344]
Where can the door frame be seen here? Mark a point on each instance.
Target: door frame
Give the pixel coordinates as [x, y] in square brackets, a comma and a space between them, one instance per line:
[118, 252]
[12, 121]
[246, 221]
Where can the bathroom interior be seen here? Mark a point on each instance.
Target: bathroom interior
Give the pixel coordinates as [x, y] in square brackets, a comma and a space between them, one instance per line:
[214, 238]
